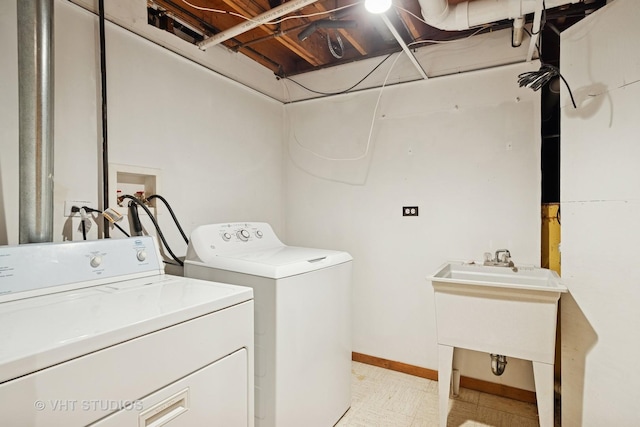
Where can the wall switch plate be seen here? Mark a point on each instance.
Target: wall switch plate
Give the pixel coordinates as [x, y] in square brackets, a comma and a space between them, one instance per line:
[68, 204]
[409, 211]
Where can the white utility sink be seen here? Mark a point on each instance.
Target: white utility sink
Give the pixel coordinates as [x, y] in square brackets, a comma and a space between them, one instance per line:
[518, 277]
[509, 311]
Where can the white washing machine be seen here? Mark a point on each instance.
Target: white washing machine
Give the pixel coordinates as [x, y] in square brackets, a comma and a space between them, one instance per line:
[302, 319]
[93, 333]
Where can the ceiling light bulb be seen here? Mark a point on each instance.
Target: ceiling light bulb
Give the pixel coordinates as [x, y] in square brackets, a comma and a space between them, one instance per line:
[377, 6]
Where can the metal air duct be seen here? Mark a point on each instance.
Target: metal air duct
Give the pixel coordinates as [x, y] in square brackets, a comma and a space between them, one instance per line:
[35, 70]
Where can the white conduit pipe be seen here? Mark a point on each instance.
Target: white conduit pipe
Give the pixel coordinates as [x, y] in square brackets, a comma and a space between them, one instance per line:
[465, 15]
[404, 46]
[261, 19]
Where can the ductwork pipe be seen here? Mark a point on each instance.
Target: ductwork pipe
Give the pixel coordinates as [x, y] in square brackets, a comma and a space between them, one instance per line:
[469, 14]
[35, 70]
[261, 19]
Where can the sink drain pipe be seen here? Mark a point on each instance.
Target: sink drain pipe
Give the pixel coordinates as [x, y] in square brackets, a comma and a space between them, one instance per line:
[498, 364]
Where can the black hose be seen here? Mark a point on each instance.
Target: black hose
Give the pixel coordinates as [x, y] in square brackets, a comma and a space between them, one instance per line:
[155, 224]
[135, 219]
[175, 220]
[121, 229]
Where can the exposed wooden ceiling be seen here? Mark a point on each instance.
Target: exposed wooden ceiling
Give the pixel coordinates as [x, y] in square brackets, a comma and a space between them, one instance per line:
[338, 31]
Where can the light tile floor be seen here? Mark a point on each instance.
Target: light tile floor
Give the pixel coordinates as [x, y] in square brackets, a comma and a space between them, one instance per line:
[384, 398]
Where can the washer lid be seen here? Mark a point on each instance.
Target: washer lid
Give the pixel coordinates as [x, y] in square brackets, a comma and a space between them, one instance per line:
[276, 262]
[42, 331]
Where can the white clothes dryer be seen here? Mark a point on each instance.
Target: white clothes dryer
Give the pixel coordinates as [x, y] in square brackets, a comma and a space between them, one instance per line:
[93, 333]
[302, 319]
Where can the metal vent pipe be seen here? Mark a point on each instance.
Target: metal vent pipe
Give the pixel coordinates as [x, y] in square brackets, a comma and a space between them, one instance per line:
[35, 70]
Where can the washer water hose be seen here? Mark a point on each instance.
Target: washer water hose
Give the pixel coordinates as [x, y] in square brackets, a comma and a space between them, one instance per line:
[175, 219]
[135, 219]
[155, 224]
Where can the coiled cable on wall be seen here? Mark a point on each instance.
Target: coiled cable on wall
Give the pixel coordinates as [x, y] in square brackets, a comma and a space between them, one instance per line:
[536, 79]
[155, 224]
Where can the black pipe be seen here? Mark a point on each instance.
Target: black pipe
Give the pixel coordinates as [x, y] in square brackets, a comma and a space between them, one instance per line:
[173, 215]
[105, 151]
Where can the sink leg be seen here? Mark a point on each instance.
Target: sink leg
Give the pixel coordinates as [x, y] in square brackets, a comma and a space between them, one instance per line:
[445, 365]
[543, 377]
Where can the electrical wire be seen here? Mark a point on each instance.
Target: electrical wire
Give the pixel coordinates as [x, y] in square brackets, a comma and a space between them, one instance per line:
[536, 79]
[417, 42]
[275, 22]
[480, 29]
[121, 229]
[373, 121]
[155, 224]
[342, 91]
[103, 92]
[88, 209]
[175, 220]
[83, 217]
[366, 152]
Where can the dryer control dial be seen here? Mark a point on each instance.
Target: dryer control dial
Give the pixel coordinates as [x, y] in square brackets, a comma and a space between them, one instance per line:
[226, 236]
[243, 235]
[259, 234]
[141, 255]
[95, 261]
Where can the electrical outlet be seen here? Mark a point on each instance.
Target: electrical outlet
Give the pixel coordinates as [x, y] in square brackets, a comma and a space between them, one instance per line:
[68, 204]
[409, 211]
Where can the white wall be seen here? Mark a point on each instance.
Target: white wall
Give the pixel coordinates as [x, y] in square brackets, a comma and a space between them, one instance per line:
[217, 144]
[600, 227]
[465, 149]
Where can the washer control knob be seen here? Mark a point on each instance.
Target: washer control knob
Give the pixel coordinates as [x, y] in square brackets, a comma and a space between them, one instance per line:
[95, 261]
[259, 234]
[141, 255]
[226, 236]
[243, 235]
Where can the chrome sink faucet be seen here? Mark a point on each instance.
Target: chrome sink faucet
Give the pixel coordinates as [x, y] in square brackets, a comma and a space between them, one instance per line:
[505, 258]
[502, 258]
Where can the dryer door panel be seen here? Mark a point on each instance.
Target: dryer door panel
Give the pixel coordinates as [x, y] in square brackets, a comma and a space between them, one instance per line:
[216, 395]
